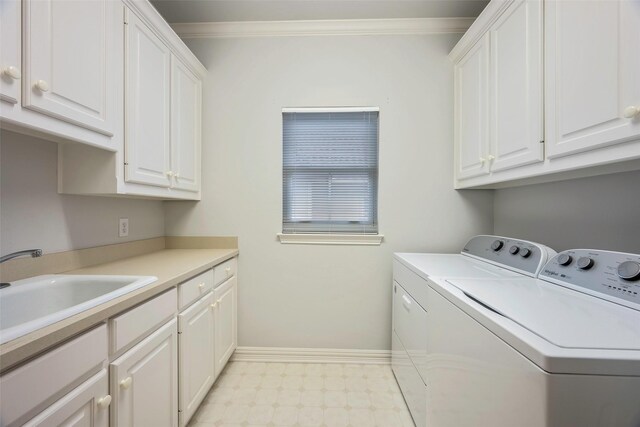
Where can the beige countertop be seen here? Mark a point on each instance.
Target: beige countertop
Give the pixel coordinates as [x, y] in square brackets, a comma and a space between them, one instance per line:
[170, 266]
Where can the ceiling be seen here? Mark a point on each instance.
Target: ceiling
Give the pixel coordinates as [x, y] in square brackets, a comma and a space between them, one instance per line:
[179, 11]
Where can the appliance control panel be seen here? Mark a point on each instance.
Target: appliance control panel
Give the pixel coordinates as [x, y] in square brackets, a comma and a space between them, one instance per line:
[614, 276]
[520, 255]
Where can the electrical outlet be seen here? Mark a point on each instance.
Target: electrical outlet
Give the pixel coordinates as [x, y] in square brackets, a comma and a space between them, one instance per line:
[123, 227]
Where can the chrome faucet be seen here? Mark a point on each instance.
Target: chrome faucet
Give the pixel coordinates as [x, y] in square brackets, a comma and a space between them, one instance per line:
[35, 253]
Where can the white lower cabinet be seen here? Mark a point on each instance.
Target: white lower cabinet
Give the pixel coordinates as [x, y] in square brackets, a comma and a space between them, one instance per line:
[144, 381]
[196, 328]
[226, 322]
[85, 406]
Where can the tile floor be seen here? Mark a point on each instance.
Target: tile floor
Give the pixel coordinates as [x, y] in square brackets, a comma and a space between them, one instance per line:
[300, 394]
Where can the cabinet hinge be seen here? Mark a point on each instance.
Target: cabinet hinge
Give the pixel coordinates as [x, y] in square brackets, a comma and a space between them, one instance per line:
[126, 164]
[542, 141]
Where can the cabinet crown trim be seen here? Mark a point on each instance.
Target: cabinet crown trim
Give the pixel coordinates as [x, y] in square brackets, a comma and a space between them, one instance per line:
[343, 27]
[479, 28]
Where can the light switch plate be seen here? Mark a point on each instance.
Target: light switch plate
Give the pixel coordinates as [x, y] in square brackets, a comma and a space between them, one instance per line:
[123, 227]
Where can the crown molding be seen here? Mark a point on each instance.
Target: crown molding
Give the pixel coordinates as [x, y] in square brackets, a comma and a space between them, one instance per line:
[346, 27]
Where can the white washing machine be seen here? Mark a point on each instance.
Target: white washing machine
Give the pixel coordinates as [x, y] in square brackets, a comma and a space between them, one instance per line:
[562, 350]
[487, 257]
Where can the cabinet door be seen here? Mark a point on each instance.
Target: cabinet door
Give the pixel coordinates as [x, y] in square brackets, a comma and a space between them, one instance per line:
[85, 406]
[592, 69]
[144, 382]
[516, 86]
[69, 58]
[186, 91]
[226, 322]
[196, 355]
[147, 107]
[10, 68]
[471, 102]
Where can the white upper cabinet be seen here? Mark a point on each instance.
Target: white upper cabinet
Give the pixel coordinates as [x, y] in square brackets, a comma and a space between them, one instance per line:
[69, 54]
[471, 76]
[516, 86]
[593, 74]
[186, 90]
[147, 105]
[10, 64]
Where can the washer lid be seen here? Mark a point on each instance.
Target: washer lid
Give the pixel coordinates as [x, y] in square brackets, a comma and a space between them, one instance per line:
[561, 316]
[451, 265]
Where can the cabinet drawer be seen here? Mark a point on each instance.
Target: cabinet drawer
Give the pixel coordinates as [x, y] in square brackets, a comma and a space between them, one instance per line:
[225, 270]
[194, 288]
[411, 282]
[30, 388]
[141, 320]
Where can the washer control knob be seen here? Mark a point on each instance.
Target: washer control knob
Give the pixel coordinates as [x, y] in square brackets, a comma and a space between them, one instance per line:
[497, 245]
[525, 252]
[585, 263]
[513, 250]
[565, 259]
[629, 270]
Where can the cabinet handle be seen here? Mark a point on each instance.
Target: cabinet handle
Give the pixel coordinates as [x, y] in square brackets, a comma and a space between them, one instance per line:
[177, 175]
[214, 305]
[228, 270]
[42, 86]
[126, 383]
[13, 72]
[201, 286]
[491, 157]
[631, 111]
[406, 302]
[104, 402]
[169, 174]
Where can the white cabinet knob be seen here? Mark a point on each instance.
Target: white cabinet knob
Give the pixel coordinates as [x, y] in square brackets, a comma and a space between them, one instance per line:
[13, 72]
[491, 157]
[169, 174]
[214, 305]
[228, 270]
[631, 111]
[42, 85]
[126, 383]
[104, 402]
[201, 286]
[177, 175]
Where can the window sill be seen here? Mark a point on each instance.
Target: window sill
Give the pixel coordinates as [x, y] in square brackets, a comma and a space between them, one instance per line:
[331, 239]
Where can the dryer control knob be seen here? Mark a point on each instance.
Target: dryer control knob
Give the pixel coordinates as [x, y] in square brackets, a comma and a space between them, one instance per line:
[525, 253]
[585, 263]
[513, 250]
[629, 270]
[497, 245]
[564, 259]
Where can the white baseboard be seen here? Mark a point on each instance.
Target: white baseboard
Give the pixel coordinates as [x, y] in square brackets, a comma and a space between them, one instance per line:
[311, 355]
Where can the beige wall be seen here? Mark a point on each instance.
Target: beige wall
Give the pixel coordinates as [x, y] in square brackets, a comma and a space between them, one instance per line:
[601, 212]
[326, 296]
[34, 215]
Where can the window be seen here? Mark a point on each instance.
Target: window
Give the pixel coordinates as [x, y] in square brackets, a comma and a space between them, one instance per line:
[330, 171]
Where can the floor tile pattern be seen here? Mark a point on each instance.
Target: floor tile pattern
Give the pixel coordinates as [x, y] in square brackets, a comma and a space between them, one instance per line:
[304, 394]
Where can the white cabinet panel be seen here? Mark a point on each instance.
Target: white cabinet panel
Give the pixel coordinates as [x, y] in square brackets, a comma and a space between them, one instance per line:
[147, 105]
[10, 65]
[186, 93]
[471, 76]
[516, 86]
[69, 56]
[144, 382]
[196, 350]
[226, 322]
[85, 406]
[592, 69]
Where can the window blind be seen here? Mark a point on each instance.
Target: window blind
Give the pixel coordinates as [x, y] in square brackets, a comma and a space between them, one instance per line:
[330, 172]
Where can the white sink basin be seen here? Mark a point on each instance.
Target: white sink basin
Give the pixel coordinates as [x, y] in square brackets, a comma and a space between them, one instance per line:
[31, 304]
